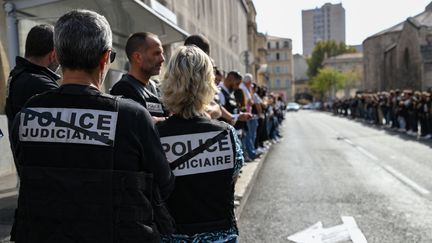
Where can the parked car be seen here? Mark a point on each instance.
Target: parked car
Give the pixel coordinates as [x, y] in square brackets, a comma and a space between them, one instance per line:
[292, 106]
[309, 106]
[317, 105]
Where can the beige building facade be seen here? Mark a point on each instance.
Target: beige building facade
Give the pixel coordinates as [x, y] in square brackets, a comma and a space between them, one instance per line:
[325, 23]
[257, 46]
[302, 91]
[400, 57]
[350, 64]
[280, 66]
[224, 23]
[261, 53]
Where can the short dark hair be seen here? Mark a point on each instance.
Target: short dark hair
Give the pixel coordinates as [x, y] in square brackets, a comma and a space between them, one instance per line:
[200, 41]
[40, 41]
[217, 71]
[235, 74]
[136, 41]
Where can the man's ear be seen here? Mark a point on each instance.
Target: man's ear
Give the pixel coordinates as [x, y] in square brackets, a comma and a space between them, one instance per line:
[136, 57]
[52, 56]
[104, 60]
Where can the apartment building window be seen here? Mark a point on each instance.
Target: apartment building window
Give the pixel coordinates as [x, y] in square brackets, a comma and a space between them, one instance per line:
[286, 44]
[277, 69]
[277, 56]
[278, 83]
[277, 44]
[269, 45]
[269, 57]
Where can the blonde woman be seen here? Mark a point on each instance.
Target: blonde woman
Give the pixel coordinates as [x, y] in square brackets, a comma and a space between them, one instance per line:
[204, 154]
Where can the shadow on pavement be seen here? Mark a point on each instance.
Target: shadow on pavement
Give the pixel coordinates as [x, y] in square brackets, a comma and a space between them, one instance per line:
[7, 209]
[402, 135]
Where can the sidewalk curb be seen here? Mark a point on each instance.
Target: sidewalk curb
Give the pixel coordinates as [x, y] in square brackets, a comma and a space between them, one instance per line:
[250, 184]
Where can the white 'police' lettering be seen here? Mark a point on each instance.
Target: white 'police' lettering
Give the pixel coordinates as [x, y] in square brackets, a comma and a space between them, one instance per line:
[35, 128]
[219, 156]
[154, 107]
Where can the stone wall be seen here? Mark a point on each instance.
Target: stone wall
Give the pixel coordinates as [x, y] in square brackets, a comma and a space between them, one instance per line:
[373, 57]
[409, 61]
[425, 38]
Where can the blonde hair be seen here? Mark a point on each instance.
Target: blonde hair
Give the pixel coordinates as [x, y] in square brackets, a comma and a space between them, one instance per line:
[188, 82]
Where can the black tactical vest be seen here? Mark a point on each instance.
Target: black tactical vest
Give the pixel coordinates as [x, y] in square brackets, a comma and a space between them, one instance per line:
[149, 96]
[203, 198]
[70, 191]
[230, 102]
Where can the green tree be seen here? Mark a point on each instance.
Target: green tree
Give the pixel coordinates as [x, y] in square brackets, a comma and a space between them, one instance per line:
[322, 50]
[326, 81]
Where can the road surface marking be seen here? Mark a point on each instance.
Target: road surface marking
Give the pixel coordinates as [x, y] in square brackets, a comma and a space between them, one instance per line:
[391, 170]
[406, 180]
[349, 141]
[343, 232]
[354, 231]
[365, 152]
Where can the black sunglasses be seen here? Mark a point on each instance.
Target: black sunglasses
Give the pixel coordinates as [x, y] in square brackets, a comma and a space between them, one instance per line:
[113, 54]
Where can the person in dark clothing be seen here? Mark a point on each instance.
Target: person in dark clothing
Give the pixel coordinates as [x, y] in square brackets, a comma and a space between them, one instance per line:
[91, 165]
[200, 41]
[202, 203]
[145, 53]
[33, 74]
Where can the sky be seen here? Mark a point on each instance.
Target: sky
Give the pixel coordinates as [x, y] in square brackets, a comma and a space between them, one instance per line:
[363, 18]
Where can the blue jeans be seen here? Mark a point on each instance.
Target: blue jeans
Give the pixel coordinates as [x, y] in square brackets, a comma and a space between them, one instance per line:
[250, 136]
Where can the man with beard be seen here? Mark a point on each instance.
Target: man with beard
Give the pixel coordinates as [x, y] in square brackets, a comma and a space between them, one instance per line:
[33, 74]
[145, 53]
[228, 100]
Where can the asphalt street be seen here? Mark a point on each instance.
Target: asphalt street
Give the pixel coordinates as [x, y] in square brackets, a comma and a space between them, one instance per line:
[327, 167]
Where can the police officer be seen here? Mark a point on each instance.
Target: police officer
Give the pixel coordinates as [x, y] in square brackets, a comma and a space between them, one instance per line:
[205, 154]
[33, 74]
[88, 161]
[229, 101]
[145, 53]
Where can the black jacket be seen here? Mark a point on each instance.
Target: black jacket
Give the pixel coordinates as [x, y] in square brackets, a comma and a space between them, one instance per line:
[25, 81]
[148, 96]
[89, 165]
[203, 198]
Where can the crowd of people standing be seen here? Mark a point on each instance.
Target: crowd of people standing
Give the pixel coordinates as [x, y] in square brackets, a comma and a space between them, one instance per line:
[153, 160]
[406, 111]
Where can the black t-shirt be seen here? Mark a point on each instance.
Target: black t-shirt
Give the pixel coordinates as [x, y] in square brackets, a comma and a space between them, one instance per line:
[147, 95]
[136, 145]
[25, 81]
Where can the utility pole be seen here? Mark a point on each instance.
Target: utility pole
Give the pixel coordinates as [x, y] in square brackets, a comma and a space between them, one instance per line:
[12, 32]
